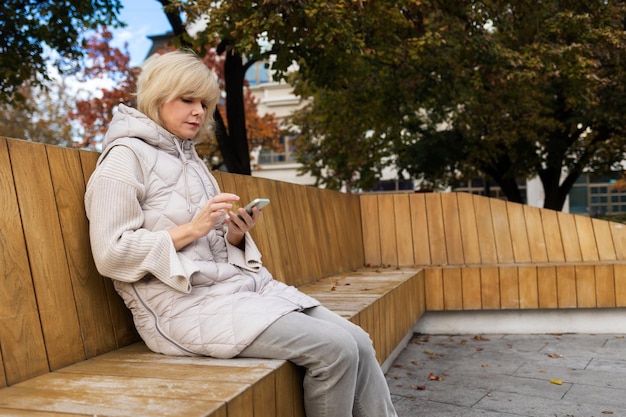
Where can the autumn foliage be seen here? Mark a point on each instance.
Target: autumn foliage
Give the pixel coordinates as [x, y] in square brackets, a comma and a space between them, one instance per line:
[105, 62]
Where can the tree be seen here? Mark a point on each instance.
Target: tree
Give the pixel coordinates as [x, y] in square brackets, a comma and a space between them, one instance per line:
[34, 32]
[532, 91]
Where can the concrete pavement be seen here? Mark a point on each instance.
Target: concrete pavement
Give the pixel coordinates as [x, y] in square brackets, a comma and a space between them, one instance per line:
[554, 375]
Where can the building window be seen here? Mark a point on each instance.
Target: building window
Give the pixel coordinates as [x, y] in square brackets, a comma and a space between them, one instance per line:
[258, 74]
[284, 153]
[478, 186]
[596, 196]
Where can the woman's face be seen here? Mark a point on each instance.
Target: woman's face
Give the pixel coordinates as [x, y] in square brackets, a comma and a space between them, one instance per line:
[183, 116]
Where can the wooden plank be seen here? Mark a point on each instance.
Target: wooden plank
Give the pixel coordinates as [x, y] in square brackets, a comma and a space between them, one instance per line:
[586, 286]
[111, 403]
[44, 242]
[387, 224]
[618, 232]
[470, 279]
[546, 287]
[452, 289]
[620, 285]
[536, 237]
[371, 229]
[604, 240]
[434, 289]
[121, 317]
[402, 214]
[22, 347]
[605, 286]
[264, 396]
[289, 398]
[484, 225]
[569, 236]
[452, 229]
[436, 230]
[87, 285]
[519, 235]
[566, 286]
[528, 287]
[552, 234]
[419, 229]
[502, 230]
[490, 288]
[469, 233]
[509, 288]
[587, 237]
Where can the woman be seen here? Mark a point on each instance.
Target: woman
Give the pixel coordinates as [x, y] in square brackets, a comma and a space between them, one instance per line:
[184, 263]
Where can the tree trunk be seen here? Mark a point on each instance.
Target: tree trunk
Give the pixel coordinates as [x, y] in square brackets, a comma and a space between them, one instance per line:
[236, 144]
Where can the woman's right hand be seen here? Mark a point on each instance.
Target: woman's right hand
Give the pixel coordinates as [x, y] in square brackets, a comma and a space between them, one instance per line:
[201, 225]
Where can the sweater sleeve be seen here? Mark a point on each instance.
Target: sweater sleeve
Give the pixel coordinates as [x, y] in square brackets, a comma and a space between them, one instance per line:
[249, 259]
[122, 249]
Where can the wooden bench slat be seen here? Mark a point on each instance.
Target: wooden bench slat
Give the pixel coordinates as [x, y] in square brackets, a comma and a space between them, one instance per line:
[472, 295]
[569, 236]
[528, 287]
[469, 232]
[436, 230]
[566, 286]
[552, 234]
[605, 286]
[22, 350]
[502, 231]
[519, 233]
[121, 318]
[49, 267]
[604, 240]
[509, 288]
[88, 288]
[452, 229]
[371, 229]
[547, 287]
[490, 288]
[387, 223]
[587, 238]
[112, 402]
[484, 226]
[402, 215]
[536, 236]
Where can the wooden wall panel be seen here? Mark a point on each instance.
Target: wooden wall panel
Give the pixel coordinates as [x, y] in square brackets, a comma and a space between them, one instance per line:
[484, 226]
[433, 282]
[469, 231]
[528, 287]
[502, 231]
[509, 288]
[452, 289]
[402, 215]
[387, 224]
[419, 229]
[566, 286]
[536, 236]
[604, 240]
[569, 237]
[88, 286]
[587, 238]
[605, 286]
[49, 267]
[452, 229]
[552, 234]
[586, 286]
[436, 230]
[547, 287]
[22, 348]
[472, 294]
[519, 233]
[371, 229]
[490, 288]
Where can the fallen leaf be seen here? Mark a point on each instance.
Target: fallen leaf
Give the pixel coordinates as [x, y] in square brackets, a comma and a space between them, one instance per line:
[556, 381]
[555, 356]
[484, 365]
[619, 337]
[607, 412]
[433, 377]
[481, 338]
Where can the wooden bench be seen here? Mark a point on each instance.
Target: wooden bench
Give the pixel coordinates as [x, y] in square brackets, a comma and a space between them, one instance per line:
[486, 254]
[68, 345]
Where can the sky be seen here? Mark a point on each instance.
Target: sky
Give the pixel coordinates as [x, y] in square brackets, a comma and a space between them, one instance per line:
[143, 18]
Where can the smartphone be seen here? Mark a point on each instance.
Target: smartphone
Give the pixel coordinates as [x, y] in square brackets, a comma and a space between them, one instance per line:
[257, 202]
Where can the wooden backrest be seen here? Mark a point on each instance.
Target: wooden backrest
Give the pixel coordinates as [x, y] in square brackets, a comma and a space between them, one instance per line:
[55, 309]
[439, 229]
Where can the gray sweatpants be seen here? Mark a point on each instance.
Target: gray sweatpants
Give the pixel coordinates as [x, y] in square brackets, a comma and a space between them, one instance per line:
[342, 378]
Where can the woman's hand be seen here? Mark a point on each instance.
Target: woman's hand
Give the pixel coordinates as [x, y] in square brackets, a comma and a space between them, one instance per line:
[201, 225]
[240, 223]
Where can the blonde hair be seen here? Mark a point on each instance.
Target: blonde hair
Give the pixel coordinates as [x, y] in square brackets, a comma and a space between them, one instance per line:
[173, 75]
